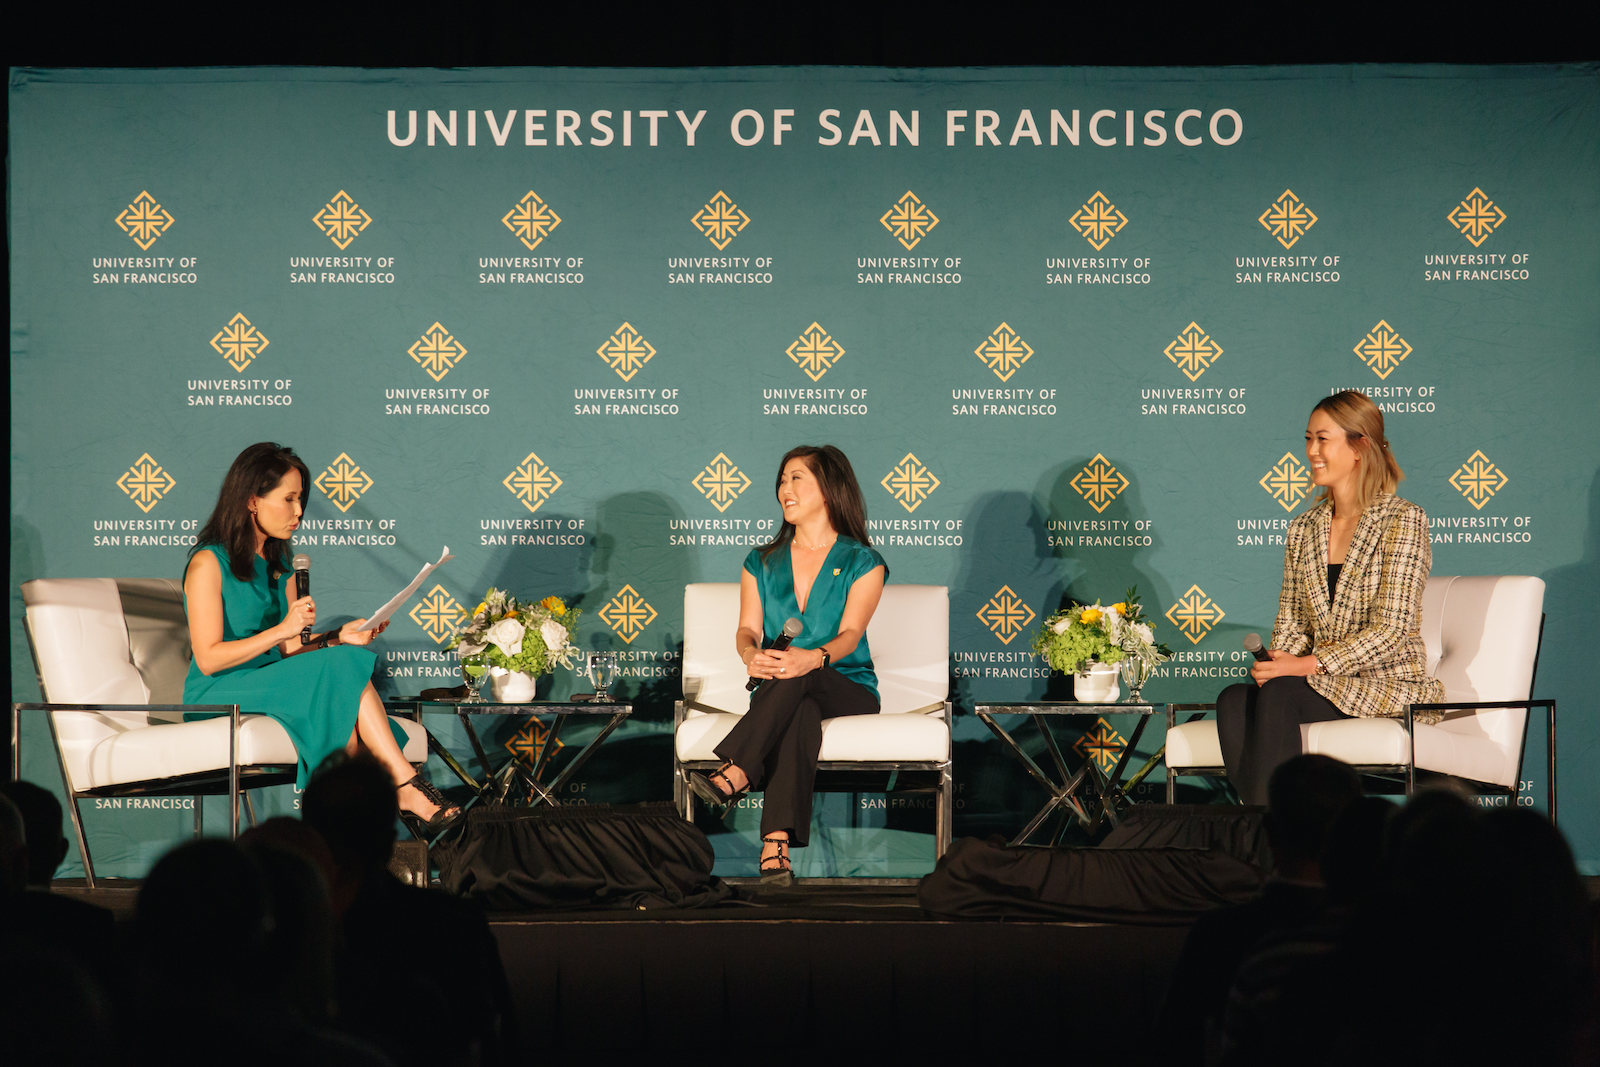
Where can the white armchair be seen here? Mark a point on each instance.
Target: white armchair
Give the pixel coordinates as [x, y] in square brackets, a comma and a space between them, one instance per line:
[1482, 634]
[910, 639]
[111, 656]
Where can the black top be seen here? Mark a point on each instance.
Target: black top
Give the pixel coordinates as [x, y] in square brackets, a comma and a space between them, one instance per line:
[1333, 579]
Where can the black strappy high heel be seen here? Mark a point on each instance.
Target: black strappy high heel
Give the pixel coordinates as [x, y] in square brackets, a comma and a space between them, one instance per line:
[714, 798]
[780, 876]
[446, 817]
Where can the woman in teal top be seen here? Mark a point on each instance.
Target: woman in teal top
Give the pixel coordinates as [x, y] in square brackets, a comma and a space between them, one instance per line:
[245, 632]
[821, 570]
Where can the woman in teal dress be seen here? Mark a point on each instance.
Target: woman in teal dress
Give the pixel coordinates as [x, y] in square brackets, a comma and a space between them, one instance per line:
[821, 569]
[245, 631]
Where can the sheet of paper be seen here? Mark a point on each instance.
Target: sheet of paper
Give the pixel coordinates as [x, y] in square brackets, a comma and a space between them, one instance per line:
[382, 614]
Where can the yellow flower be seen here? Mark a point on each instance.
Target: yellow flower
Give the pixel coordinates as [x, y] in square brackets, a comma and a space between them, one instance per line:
[554, 605]
[479, 609]
[1090, 616]
[1120, 609]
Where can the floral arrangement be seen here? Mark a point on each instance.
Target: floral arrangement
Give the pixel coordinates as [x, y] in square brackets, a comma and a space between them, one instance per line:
[1082, 635]
[528, 638]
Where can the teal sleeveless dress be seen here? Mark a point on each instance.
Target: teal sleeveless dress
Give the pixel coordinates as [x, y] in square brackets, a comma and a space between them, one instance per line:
[315, 695]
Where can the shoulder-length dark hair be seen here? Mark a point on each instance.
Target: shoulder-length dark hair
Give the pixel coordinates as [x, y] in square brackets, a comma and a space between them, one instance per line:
[254, 473]
[841, 494]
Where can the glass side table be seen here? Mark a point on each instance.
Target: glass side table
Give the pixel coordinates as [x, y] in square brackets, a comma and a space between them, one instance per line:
[1106, 790]
[515, 781]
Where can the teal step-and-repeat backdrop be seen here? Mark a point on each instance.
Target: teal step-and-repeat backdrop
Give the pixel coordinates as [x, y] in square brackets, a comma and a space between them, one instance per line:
[1067, 324]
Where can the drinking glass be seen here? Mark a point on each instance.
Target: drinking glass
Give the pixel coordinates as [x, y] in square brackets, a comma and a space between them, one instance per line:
[602, 671]
[473, 672]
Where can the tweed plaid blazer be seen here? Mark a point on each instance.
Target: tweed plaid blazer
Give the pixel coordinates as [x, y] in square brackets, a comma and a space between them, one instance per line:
[1368, 637]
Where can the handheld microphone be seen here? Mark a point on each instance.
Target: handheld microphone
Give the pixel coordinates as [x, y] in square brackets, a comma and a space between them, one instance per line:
[302, 586]
[1252, 645]
[791, 630]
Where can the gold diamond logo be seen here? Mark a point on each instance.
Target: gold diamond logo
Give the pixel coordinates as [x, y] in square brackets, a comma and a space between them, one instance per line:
[1099, 483]
[1382, 349]
[437, 351]
[720, 220]
[627, 614]
[239, 342]
[1476, 217]
[721, 482]
[342, 219]
[815, 351]
[529, 741]
[1288, 219]
[1193, 351]
[909, 220]
[625, 351]
[437, 614]
[146, 483]
[1005, 615]
[531, 220]
[1101, 744]
[144, 220]
[1098, 220]
[1004, 352]
[343, 482]
[910, 482]
[1288, 481]
[532, 482]
[1477, 479]
[1195, 614]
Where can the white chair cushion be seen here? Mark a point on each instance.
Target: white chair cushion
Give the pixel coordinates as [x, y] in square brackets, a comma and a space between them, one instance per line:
[909, 738]
[81, 642]
[1194, 744]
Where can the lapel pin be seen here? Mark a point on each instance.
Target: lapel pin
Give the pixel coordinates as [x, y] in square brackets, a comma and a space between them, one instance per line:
[836, 572]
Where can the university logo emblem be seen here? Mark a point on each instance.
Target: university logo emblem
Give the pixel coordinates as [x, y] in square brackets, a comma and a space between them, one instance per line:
[1288, 481]
[815, 351]
[1382, 349]
[438, 614]
[1193, 351]
[720, 220]
[721, 482]
[1288, 219]
[437, 351]
[343, 482]
[532, 482]
[146, 482]
[1098, 220]
[239, 342]
[1099, 483]
[627, 614]
[1195, 614]
[144, 220]
[625, 352]
[529, 740]
[342, 219]
[909, 220]
[1003, 351]
[1101, 744]
[531, 220]
[1477, 479]
[910, 482]
[1476, 217]
[1005, 615]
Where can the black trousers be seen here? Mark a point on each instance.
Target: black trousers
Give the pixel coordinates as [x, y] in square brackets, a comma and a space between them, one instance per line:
[1258, 727]
[777, 743]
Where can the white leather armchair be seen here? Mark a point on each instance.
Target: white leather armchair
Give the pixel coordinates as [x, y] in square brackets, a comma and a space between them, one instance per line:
[910, 639]
[111, 656]
[1482, 634]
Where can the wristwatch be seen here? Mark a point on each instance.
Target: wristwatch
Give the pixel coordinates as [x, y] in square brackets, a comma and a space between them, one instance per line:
[826, 659]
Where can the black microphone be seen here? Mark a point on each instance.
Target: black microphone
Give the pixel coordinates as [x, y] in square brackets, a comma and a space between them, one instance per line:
[302, 585]
[1252, 645]
[791, 630]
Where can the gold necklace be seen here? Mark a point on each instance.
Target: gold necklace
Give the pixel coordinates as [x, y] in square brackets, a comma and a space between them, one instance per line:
[813, 548]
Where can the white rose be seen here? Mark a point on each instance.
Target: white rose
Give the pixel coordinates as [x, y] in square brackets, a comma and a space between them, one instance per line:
[506, 635]
[554, 634]
[1147, 635]
[1061, 624]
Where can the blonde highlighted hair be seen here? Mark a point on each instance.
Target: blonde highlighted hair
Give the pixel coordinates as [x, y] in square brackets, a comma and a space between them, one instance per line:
[1362, 424]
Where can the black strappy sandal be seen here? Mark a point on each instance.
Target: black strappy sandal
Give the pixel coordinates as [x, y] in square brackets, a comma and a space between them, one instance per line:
[714, 798]
[780, 876]
[443, 819]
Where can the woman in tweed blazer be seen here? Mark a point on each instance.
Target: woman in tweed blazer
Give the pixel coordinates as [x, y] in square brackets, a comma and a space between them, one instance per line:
[1348, 638]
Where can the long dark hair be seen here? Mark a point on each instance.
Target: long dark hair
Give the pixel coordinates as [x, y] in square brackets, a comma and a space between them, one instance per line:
[841, 494]
[257, 470]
